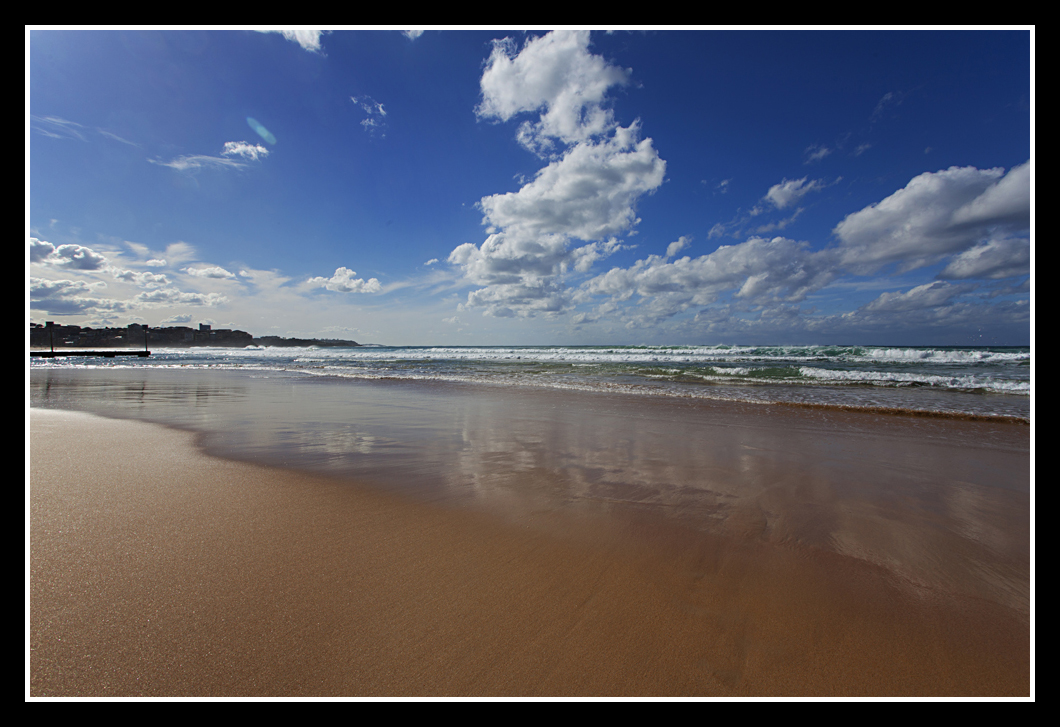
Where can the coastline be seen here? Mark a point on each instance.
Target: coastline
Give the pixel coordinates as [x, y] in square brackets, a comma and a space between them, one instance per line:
[189, 575]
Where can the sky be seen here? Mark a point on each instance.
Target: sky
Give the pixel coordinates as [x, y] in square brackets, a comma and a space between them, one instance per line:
[514, 187]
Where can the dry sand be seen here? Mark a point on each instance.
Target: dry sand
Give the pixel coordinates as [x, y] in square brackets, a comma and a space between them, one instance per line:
[156, 570]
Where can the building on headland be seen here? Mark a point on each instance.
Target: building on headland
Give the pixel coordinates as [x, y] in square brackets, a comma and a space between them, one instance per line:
[132, 336]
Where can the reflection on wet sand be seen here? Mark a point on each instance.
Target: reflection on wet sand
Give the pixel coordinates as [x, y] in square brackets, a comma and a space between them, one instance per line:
[940, 507]
[903, 493]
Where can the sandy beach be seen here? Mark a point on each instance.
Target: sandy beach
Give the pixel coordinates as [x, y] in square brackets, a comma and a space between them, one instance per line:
[157, 569]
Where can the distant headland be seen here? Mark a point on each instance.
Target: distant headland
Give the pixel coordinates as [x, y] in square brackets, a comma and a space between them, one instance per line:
[139, 336]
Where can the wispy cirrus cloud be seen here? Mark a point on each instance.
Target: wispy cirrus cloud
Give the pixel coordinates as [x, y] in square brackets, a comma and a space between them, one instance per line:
[235, 155]
[889, 101]
[60, 128]
[115, 137]
[375, 114]
[192, 162]
[816, 152]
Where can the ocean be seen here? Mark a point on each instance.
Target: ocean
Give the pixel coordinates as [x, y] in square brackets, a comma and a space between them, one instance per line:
[952, 381]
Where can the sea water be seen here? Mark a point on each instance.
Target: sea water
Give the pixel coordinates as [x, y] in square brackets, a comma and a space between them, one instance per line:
[956, 381]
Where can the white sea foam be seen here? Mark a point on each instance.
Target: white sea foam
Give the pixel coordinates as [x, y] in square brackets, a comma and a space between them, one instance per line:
[967, 382]
[897, 378]
[945, 355]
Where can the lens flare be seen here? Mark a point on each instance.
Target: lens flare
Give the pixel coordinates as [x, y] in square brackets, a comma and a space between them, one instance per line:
[261, 130]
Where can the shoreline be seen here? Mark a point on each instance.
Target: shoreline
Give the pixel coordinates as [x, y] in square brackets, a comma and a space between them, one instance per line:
[983, 383]
[189, 575]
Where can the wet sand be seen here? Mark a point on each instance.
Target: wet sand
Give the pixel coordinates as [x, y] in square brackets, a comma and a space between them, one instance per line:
[159, 570]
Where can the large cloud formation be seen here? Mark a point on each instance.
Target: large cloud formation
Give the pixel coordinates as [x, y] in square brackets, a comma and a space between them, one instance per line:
[575, 210]
[974, 220]
[587, 193]
[937, 214]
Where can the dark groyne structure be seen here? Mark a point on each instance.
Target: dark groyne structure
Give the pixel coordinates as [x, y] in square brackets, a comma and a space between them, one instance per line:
[105, 354]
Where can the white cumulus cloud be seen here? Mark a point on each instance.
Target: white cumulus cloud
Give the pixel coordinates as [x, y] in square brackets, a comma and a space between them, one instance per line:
[569, 216]
[75, 257]
[937, 214]
[308, 38]
[556, 73]
[252, 152]
[161, 297]
[994, 259]
[790, 191]
[142, 279]
[758, 270]
[343, 281]
[216, 272]
[677, 246]
[929, 295]
[588, 194]
[71, 297]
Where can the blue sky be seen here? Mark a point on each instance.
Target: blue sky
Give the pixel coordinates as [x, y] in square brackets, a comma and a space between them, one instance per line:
[534, 187]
